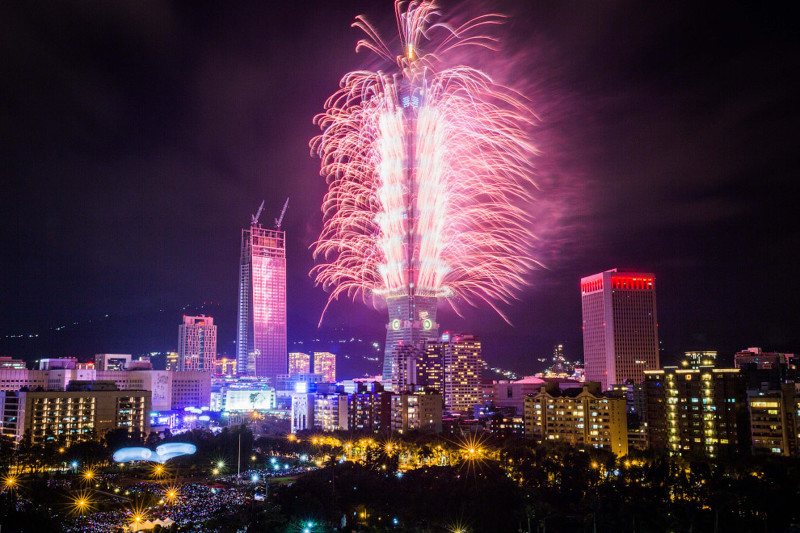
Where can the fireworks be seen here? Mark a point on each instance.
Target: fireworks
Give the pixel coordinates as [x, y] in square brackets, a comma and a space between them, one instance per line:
[429, 173]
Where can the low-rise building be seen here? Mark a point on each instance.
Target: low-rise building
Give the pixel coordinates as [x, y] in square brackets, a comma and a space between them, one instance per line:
[87, 410]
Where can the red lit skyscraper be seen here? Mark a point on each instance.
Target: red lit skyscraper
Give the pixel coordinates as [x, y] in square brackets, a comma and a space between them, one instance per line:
[620, 327]
[261, 327]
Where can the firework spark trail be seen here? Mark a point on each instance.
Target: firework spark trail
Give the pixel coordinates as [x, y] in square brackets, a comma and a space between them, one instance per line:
[429, 173]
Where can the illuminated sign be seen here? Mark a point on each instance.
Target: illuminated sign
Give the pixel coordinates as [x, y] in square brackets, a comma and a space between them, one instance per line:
[427, 324]
[396, 324]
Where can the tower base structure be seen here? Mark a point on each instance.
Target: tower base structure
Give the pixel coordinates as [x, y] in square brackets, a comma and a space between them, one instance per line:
[412, 320]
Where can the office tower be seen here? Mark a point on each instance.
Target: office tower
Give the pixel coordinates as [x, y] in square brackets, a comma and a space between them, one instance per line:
[700, 410]
[299, 363]
[585, 418]
[197, 344]
[620, 328]
[325, 364]
[261, 326]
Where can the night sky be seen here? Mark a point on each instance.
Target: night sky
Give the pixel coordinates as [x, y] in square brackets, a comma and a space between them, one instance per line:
[136, 139]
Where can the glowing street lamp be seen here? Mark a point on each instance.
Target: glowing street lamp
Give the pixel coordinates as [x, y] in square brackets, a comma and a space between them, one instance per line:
[81, 503]
[10, 482]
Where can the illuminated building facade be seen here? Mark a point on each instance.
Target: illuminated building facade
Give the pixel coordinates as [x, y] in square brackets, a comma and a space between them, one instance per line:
[772, 421]
[191, 389]
[700, 410]
[325, 364]
[584, 418]
[111, 361]
[197, 344]
[88, 410]
[417, 411]
[620, 327]
[451, 366]
[12, 364]
[261, 325]
[225, 367]
[331, 411]
[299, 363]
[172, 361]
[697, 359]
[462, 373]
[370, 410]
[302, 411]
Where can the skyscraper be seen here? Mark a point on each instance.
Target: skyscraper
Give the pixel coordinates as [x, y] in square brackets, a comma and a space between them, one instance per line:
[451, 366]
[462, 372]
[299, 363]
[620, 327]
[261, 327]
[325, 364]
[197, 344]
[412, 320]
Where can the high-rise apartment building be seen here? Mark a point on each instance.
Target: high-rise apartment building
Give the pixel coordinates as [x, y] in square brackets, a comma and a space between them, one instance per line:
[197, 344]
[620, 327]
[774, 418]
[261, 326]
[701, 410]
[325, 364]
[451, 366]
[299, 363]
[462, 372]
[584, 418]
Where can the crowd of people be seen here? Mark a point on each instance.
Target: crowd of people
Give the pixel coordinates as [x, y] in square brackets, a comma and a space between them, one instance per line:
[190, 504]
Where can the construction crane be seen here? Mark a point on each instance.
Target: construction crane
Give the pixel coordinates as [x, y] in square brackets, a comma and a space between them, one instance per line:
[254, 218]
[283, 212]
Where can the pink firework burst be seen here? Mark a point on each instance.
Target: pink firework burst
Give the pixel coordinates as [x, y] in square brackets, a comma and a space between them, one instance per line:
[429, 172]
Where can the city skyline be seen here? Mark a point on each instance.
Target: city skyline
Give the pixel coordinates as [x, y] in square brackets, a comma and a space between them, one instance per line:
[666, 146]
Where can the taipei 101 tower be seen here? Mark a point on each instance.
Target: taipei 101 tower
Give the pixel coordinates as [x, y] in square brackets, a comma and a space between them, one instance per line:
[429, 179]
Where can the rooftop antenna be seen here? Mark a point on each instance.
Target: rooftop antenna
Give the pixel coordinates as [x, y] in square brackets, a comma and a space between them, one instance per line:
[254, 218]
[283, 212]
